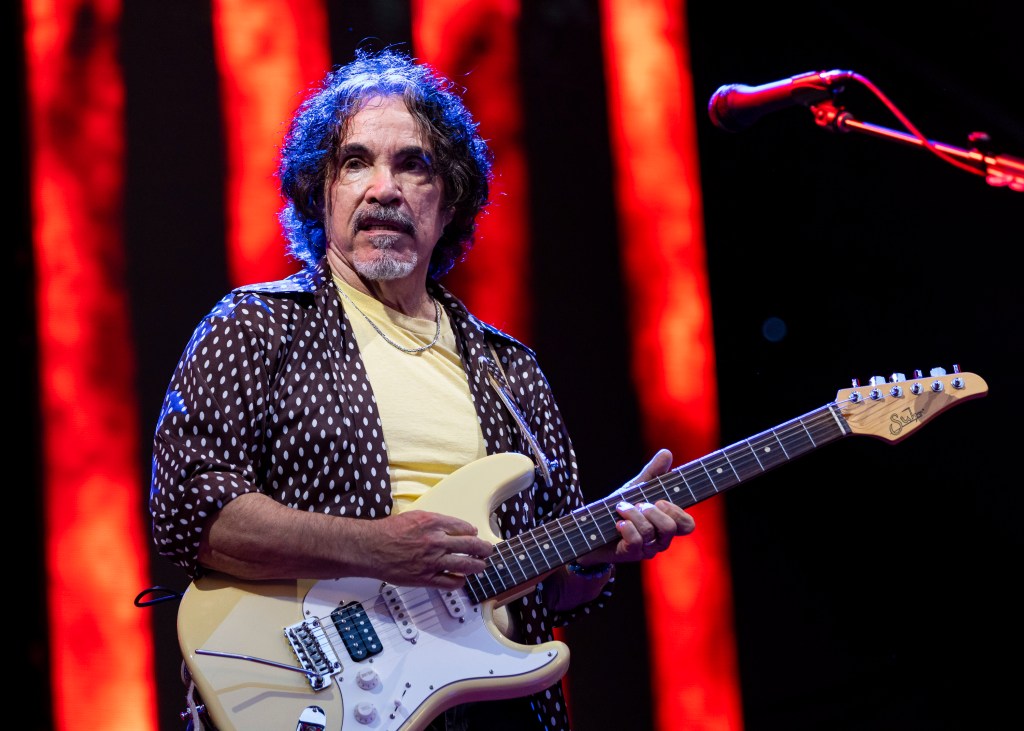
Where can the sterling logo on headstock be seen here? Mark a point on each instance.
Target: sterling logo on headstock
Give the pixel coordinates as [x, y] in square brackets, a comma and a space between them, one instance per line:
[893, 408]
[903, 419]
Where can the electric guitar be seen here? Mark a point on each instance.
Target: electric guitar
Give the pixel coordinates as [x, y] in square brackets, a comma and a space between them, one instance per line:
[361, 653]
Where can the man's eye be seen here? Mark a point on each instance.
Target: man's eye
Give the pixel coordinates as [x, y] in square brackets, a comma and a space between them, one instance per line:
[352, 163]
[417, 164]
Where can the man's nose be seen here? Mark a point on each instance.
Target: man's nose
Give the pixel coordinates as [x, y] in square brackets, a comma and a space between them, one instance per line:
[383, 186]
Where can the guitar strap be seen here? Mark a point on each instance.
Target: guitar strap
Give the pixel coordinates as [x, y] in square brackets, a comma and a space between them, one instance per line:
[504, 389]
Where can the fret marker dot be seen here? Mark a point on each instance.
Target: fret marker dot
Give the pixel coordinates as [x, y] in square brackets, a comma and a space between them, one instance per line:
[719, 470]
[583, 518]
[546, 546]
[521, 556]
[767, 449]
[593, 536]
[675, 489]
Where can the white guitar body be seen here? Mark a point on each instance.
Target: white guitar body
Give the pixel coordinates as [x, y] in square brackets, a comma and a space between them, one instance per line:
[436, 649]
[355, 653]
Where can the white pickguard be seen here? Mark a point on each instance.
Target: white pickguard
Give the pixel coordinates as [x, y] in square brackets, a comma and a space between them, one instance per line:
[445, 651]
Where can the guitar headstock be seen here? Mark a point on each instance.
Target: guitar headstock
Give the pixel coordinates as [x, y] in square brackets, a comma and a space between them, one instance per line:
[893, 408]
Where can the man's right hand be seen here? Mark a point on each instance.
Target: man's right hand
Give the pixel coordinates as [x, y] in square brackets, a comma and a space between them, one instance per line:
[256, 537]
[420, 548]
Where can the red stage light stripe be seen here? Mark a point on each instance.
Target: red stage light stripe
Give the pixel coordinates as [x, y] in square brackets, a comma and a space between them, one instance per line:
[474, 43]
[268, 52]
[652, 122]
[95, 542]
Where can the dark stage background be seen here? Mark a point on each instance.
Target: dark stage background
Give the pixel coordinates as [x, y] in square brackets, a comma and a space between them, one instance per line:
[876, 586]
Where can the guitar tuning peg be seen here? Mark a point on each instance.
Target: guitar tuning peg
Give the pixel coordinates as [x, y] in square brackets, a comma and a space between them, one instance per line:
[956, 367]
[937, 372]
[876, 393]
[855, 382]
[918, 373]
[897, 377]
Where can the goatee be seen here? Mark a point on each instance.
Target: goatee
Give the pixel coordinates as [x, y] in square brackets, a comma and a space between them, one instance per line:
[385, 266]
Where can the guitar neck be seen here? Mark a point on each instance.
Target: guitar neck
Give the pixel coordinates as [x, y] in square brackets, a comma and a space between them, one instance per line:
[522, 559]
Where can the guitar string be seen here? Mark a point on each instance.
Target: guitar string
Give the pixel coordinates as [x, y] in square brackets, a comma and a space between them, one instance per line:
[739, 457]
[810, 424]
[429, 618]
[819, 426]
[564, 544]
[813, 423]
[392, 632]
[421, 611]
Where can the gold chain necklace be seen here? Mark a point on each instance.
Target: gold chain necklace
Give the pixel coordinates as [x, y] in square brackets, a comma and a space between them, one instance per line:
[389, 341]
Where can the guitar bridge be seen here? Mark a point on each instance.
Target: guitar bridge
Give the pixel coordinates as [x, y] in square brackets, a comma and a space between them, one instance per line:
[314, 652]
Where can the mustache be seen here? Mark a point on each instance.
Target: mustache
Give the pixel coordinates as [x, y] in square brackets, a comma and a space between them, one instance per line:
[379, 215]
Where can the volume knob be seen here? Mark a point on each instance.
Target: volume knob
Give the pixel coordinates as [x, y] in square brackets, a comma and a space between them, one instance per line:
[367, 679]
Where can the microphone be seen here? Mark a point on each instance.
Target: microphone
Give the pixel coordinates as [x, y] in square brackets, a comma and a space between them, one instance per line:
[734, 107]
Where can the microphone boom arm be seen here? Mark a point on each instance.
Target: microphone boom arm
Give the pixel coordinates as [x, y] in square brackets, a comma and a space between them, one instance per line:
[999, 170]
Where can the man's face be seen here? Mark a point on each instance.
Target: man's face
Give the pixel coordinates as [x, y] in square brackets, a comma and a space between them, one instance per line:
[385, 214]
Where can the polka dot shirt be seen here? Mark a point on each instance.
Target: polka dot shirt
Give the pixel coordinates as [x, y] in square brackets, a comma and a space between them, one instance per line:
[270, 395]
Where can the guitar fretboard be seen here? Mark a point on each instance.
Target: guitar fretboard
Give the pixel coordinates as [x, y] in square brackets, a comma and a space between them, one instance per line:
[525, 557]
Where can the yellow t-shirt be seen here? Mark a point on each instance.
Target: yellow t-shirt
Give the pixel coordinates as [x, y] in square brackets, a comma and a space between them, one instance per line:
[426, 409]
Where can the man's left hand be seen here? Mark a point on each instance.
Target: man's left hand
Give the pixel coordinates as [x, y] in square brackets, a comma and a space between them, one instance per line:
[646, 529]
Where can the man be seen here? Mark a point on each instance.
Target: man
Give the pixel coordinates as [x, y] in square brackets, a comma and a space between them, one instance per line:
[307, 417]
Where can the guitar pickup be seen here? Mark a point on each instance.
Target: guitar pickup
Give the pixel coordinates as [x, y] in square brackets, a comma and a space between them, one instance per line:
[399, 612]
[454, 604]
[314, 652]
[356, 631]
